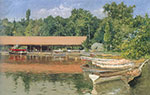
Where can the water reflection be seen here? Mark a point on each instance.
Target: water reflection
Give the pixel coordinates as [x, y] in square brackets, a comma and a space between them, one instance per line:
[44, 84]
[27, 83]
[141, 85]
[58, 84]
[40, 64]
[39, 59]
[116, 87]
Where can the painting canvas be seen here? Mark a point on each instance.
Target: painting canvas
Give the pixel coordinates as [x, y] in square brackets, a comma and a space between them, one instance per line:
[74, 47]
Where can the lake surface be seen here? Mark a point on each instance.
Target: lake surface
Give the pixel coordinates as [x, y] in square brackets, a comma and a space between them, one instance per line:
[33, 81]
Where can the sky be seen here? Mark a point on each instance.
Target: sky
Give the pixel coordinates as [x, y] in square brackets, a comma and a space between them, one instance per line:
[16, 9]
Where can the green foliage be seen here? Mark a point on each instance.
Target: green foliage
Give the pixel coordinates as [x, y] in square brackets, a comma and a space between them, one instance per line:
[2, 32]
[29, 29]
[98, 37]
[28, 13]
[87, 44]
[119, 31]
[138, 45]
[107, 36]
[7, 27]
[119, 11]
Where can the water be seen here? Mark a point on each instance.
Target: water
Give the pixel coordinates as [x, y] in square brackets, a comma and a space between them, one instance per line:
[141, 85]
[43, 84]
[64, 82]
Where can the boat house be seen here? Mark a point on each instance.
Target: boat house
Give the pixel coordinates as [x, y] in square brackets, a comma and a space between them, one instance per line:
[42, 43]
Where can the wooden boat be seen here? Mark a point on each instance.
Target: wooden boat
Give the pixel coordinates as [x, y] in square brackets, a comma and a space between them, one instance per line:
[93, 69]
[105, 72]
[102, 71]
[18, 51]
[126, 76]
[59, 54]
[108, 74]
[113, 66]
[95, 59]
[97, 79]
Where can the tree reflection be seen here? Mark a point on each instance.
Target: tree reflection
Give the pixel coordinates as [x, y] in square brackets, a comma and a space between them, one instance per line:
[28, 78]
[83, 85]
[116, 87]
[141, 85]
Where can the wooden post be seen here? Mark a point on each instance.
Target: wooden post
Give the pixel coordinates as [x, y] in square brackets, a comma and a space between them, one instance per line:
[52, 48]
[40, 48]
[30, 48]
[47, 48]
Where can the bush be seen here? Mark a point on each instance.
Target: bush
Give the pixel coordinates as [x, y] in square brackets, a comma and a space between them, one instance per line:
[97, 47]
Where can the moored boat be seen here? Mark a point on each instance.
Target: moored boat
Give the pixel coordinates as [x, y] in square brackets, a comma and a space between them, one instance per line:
[110, 63]
[18, 51]
[105, 72]
[113, 66]
[93, 69]
[126, 76]
[97, 79]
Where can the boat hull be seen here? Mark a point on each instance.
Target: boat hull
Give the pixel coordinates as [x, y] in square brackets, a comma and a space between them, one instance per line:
[87, 68]
[17, 53]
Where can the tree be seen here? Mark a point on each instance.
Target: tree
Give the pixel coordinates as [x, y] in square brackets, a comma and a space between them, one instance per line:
[59, 26]
[99, 35]
[70, 28]
[138, 43]
[120, 11]
[7, 27]
[48, 27]
[121, 18]
[37, 27]
[83, 22]
[14, 27]
[87, 44]
[28, 13]
[107, 36]
[29, 29]
[2, 32]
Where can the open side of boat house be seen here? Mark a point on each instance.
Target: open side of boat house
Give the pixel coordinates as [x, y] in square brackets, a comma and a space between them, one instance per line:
[42, 43]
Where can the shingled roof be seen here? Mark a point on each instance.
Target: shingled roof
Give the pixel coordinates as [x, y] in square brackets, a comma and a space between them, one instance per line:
[42, 40]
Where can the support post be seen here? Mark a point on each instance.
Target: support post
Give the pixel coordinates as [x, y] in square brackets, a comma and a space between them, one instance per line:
[30, 48]
[47, 48]
[40, 48]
